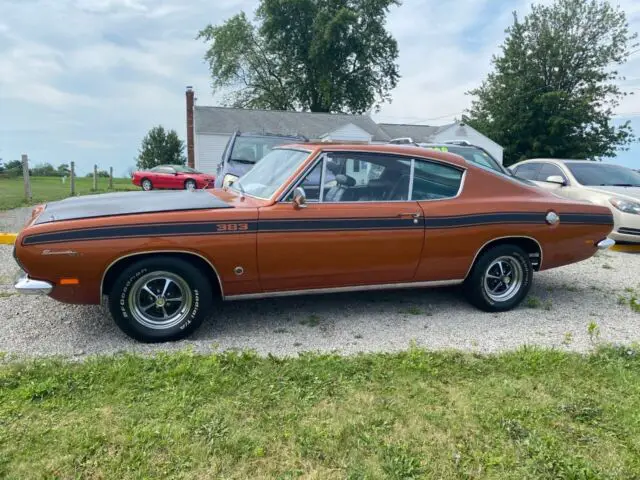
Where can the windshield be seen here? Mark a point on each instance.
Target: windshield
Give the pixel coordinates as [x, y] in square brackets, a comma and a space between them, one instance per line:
[183, 169]
[270, 173]
[251, 149]
[599, 174]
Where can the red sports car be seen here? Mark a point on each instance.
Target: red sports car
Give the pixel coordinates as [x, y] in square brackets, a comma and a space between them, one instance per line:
[174, 177]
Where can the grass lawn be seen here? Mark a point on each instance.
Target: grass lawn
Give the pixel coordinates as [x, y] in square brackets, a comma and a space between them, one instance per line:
[531, 414]
[46, 189]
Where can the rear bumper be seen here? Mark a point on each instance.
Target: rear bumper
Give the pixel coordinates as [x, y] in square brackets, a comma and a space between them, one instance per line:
[29, 286]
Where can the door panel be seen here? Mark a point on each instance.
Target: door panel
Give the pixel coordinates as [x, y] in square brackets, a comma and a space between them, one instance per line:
[338, 244]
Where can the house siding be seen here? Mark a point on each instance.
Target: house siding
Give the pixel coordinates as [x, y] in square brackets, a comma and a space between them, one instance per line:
[208, 151]
[348, 133]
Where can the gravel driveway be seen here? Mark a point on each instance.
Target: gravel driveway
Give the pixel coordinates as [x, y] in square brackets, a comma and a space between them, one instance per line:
[562, 304]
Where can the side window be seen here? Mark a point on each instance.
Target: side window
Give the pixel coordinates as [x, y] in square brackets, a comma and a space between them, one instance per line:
[433, 181]
[547, 170]
[528, 171]
[311, 183]
[367, 177]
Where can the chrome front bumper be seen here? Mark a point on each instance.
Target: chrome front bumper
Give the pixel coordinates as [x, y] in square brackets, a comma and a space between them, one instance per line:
[606, 243]
[28, 286]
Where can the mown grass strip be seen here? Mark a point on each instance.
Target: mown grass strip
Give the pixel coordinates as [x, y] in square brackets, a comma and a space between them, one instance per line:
[528, 414]
[47, 189]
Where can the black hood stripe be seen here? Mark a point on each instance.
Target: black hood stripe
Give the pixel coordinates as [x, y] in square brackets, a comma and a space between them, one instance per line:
[307, 225]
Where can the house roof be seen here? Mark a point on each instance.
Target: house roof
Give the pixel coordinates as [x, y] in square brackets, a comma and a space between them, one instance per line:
[419, 133]
[222, 120]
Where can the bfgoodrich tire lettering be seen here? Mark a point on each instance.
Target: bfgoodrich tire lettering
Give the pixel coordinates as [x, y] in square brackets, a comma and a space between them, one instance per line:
[500, 279]
[160, 299]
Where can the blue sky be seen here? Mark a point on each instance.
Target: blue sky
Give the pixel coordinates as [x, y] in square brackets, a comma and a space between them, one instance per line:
[84, 80]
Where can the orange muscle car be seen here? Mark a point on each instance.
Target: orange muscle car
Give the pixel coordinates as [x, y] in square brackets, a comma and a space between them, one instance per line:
[308, 218]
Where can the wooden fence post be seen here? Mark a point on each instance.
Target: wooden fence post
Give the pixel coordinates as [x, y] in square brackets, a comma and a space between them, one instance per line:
[26, 178]
[95, 178]
[73, 178]
[110, 178]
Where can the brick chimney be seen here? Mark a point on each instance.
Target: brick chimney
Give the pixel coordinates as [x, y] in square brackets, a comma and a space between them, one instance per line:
[190, 129]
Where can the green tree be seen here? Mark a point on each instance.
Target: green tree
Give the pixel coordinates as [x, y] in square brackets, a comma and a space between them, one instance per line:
[43, 170]
[553, 89]
[317, 55]
[13, 168]
[64, 170]
[160, 147]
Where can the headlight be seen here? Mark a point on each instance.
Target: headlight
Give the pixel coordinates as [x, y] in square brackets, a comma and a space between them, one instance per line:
[228, 178]
[625, 206]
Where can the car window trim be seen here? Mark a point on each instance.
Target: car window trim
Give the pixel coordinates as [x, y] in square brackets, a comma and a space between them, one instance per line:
[281, 198]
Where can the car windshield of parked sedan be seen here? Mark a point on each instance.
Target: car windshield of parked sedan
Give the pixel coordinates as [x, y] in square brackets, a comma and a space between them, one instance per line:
[270, 173]
[183, 169]
[599, 174]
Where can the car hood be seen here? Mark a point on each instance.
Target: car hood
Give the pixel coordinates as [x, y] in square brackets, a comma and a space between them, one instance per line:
[631, 193]
[128, 203]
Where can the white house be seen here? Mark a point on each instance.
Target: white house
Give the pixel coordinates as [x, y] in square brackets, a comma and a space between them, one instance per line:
[444, 133]
[209, 130]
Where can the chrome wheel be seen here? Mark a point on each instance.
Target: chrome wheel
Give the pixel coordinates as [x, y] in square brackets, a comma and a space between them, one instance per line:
[190, 185]
[503, 279]
[160, 300]
[146, 185]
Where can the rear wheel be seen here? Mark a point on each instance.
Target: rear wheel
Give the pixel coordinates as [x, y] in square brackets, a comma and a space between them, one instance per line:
[190, 185]
[146, 185]
[160, 299]
[500, 279]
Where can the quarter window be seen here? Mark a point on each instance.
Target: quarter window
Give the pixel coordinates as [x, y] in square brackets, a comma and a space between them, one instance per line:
[434, 181]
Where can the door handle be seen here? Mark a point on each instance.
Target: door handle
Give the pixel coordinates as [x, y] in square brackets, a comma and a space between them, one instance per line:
[413, 215]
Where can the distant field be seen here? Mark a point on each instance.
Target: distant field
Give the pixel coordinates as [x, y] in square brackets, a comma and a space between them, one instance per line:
[45, 189]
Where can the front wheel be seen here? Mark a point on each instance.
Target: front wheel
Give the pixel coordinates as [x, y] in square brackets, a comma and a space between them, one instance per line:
[500, 279]
[160, 299]
[147, 185]
[190, 185]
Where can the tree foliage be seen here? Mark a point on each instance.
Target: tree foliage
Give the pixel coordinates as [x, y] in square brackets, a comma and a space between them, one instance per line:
[160, 147]
[317, 55]
[553, 90]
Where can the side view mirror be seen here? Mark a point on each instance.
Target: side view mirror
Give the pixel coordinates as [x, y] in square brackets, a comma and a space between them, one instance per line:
[556, 179]
[299, 198]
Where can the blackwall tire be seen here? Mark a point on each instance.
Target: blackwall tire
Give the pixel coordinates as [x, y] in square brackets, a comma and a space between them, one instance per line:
[500, 279]
[160, 299]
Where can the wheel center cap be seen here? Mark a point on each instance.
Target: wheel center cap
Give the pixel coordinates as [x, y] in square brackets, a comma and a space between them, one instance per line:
[160, 302]
[506, 280]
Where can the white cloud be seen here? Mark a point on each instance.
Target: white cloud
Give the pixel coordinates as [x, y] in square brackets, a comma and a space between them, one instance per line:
[83, 75]
[90, 144]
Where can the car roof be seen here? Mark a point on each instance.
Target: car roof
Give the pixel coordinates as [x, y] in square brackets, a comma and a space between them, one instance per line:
[558, 160]
[451, 158]
[269, 135]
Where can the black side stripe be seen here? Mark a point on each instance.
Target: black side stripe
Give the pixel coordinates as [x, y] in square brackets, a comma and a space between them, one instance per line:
[308, 225]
